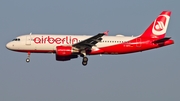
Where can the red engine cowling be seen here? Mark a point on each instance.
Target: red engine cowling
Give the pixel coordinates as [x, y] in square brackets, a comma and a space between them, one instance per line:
[64, 50]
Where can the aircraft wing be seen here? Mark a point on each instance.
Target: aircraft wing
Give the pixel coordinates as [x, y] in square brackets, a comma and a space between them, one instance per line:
[87, 44]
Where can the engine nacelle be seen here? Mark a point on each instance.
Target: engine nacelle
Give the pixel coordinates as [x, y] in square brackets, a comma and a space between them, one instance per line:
[65, 58]
[65, 50]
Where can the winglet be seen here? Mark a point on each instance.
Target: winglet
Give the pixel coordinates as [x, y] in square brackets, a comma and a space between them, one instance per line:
[106, 32]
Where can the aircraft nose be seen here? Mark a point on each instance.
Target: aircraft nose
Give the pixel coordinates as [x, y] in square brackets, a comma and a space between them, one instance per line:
[8, 46]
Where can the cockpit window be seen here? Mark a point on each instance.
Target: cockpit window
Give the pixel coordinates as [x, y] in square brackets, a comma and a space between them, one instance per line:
[17, 39]
[14, 40]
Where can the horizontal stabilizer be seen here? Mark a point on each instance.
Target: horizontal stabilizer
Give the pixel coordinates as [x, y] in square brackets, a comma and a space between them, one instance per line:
[162, 40]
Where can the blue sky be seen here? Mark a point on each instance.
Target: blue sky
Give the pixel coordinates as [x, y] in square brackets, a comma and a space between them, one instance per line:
[147, 76]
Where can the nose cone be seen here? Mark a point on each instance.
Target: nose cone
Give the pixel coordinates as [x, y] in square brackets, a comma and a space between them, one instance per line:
[9, 46]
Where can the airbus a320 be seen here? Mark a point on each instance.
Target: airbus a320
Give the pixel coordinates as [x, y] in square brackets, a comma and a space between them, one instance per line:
[67, 47]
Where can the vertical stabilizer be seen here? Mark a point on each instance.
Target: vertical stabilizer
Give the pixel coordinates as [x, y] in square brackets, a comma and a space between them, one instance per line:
[158, 27]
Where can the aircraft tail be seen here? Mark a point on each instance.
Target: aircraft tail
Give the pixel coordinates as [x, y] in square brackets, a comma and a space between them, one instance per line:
[158, 27]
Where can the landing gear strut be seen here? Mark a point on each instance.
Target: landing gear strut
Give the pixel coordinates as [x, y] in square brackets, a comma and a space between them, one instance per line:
[85, 59]
[28, 58]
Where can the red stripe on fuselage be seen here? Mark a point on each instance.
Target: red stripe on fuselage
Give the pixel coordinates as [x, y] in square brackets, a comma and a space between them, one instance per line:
[135, 45]
[36, 51]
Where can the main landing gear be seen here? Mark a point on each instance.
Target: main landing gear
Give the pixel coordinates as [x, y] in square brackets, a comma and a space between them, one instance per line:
[85, 59]
[28, 58]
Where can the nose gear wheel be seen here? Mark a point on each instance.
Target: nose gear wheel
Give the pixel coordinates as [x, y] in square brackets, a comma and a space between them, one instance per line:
[28, 58]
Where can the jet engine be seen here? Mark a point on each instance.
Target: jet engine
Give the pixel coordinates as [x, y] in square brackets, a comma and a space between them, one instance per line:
[65, 58]
[65, 50]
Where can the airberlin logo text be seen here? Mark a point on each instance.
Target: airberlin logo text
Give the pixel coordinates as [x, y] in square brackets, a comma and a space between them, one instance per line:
[56, 40]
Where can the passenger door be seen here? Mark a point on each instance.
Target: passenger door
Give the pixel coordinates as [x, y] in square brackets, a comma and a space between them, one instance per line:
[28, 40]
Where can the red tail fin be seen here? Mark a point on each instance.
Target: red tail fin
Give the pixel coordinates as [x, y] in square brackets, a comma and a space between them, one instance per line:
[158, 27]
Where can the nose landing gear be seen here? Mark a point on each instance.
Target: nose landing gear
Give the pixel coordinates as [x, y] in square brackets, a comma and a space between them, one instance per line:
[28, 58]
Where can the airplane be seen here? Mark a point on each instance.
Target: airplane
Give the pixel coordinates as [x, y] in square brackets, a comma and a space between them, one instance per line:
[67, 47]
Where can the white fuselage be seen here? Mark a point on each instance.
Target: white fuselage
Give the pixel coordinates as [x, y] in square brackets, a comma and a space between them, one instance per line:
[49, 42]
